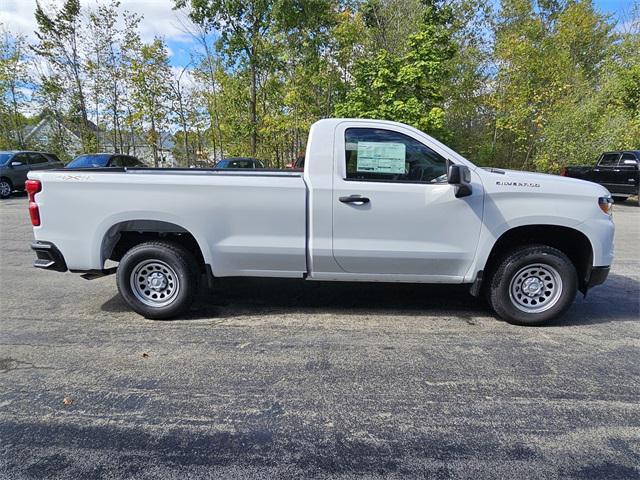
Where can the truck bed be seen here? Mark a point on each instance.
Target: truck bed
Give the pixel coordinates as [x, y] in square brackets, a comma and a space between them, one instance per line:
[254, 220]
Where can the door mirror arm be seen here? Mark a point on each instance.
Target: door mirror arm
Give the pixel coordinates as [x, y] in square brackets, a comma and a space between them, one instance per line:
[460, 177]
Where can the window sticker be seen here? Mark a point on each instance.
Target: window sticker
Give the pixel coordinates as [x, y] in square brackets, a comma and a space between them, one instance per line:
[381, 157]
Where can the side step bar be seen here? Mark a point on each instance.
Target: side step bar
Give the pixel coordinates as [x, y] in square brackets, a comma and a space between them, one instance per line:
[93, 274]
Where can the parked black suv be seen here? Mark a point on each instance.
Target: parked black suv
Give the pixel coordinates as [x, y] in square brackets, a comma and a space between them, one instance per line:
[14, 166]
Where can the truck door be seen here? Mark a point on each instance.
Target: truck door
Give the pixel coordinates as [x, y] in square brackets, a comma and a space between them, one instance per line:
[393, 210]
[19, 171]
[37, 161]
[626, 174]
[604, 173]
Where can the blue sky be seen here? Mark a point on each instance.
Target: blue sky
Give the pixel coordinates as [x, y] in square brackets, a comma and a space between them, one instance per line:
[161, 20]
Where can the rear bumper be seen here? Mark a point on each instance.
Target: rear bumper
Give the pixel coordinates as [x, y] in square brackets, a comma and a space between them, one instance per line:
[48, 257]
[597, 276]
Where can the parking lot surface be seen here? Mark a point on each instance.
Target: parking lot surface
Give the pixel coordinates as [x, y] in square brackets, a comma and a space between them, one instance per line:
[293, 379]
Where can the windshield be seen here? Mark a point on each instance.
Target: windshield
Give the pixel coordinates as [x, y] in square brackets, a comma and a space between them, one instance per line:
[89, 161]
[5, 157]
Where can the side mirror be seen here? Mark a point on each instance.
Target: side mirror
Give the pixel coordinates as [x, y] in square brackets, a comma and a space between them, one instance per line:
[16, 164]
[460, 176]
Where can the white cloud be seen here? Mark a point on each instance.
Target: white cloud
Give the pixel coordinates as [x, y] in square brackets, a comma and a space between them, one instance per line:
[159, 18]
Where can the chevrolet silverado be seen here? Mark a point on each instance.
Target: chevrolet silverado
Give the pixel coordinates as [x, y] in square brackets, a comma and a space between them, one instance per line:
[377, 201]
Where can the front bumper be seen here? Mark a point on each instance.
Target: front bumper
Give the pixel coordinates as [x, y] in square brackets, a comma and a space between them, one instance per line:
[597, 276]
[48, 257]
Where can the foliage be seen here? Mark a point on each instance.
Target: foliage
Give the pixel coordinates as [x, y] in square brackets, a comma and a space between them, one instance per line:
[408, 87]
[13, 81]
[535, 84]
[150, 75]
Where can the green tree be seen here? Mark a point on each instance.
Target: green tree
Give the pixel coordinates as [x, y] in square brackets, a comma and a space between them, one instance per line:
[150, 78]
[244, 27]
[59, 34]
[551, 58]
[14, 80]
[106, 69]
[468, 116]
[407, 88]
[390, 23]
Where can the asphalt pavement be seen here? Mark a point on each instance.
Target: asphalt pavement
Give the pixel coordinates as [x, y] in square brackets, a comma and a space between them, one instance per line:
[293, 379]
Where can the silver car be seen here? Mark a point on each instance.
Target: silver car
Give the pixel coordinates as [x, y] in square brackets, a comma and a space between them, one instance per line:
[14, 166]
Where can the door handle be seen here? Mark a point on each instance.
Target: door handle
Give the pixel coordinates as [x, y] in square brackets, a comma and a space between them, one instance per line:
[596, 169]
[355, 199]
[616, 169]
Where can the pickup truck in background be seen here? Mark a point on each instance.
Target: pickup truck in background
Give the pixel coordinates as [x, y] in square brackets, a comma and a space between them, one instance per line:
[377, 201]
[618, 172]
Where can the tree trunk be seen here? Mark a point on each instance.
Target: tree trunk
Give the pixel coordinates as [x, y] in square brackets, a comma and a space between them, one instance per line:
[154, 142]
[16, 117]
[254, 89]
[213, 102]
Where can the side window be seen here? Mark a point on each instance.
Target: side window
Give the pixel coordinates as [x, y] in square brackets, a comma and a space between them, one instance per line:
[629, 157]
[385, 156]
[609, 159]
[36, 158]
[21, 157]
[130, 162]
[117, 161]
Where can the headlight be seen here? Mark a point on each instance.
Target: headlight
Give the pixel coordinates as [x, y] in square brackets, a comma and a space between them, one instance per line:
[606, 205]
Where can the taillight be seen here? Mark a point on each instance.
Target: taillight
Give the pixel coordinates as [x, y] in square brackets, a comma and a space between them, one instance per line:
[32, 187]
[563, 172]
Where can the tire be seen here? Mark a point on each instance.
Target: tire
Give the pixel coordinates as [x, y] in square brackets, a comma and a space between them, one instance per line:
[533, 285]
[5, 188]
[158, 279]
[619, 199]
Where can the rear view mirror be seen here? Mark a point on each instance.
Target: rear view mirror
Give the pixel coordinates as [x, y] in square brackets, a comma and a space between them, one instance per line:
[460, 176]
[16, 164]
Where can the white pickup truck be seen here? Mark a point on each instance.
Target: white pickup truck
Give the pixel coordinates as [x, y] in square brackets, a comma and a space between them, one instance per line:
[377, 201]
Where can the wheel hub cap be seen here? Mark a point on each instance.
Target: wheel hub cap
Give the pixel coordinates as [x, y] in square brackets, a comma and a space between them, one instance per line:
[532, 286]
[535, 288]
[154, 283]
[157, 281]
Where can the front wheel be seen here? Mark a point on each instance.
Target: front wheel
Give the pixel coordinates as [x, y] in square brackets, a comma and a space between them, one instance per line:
[533, 285]
[158, 279]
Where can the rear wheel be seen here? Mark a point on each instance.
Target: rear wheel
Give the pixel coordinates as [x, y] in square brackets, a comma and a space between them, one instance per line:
[5, 188]
[533, 285]
[158, 279]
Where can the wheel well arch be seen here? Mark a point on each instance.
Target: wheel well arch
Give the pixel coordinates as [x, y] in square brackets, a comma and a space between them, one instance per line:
[122, 236]
[573, 243]
[4, 177]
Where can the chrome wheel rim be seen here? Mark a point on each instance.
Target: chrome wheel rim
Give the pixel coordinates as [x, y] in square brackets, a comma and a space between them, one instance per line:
[535, 288]
[154, 283]
[5, 189]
